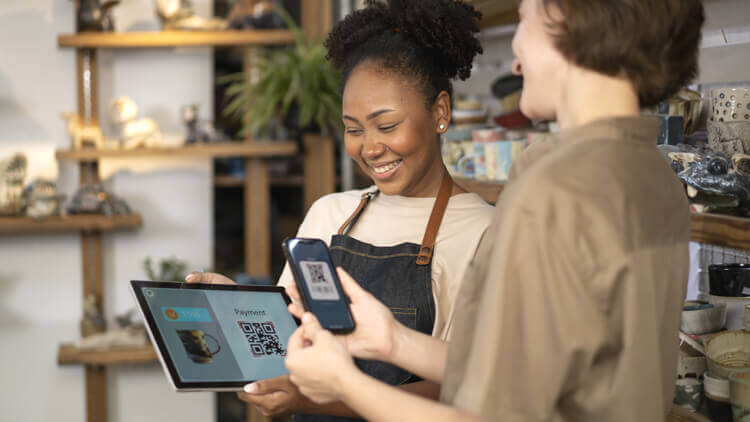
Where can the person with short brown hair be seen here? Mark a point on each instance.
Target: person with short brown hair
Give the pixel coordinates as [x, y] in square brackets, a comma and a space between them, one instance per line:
[571, 307]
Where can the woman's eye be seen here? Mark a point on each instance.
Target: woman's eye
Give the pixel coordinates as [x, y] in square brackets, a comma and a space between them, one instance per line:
[354, 132]
[387, 128]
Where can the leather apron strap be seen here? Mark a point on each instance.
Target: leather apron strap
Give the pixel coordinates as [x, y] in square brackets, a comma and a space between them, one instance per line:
[436, 217]
[433, 224]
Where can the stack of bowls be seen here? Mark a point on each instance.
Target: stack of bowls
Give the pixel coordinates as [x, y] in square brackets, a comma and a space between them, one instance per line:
[716, 390]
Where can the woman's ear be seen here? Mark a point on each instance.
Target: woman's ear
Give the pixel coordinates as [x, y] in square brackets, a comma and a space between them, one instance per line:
[441, 110]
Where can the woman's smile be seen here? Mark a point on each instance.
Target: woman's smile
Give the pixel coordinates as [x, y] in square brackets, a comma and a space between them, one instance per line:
[385, 170]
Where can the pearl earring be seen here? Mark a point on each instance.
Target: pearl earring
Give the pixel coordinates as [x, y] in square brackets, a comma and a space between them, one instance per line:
[442, 126]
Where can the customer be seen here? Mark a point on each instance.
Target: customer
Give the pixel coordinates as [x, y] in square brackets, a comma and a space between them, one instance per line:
[397, 61]
[570, 311]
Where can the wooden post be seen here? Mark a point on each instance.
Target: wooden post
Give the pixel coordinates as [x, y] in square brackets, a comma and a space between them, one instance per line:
[91, 242]
[320, 168]
[317, 17]
[257, 204]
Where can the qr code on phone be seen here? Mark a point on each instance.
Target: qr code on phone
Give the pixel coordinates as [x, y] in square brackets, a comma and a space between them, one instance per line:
[262, 338]
[319, 280]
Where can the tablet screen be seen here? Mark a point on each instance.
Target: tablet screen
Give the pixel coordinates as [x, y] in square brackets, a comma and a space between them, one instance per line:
[221, 335]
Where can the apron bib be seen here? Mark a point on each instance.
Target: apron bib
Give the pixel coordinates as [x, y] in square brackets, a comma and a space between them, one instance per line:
[399, 276]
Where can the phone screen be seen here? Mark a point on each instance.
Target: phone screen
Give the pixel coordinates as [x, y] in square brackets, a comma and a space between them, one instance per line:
[318, 283]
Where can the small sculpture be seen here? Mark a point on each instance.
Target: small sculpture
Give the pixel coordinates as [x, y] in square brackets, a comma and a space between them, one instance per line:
[83, 135]
[179, 14]
[42, 199]
[199, 131]
[134, 133]
[93, 199]
[128, 334]
[713, 181]
[95, 16]
[12, 176]
[93, 320]
[261, 15]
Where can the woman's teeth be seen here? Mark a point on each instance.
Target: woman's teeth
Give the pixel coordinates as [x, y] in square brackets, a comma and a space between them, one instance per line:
[385, 168]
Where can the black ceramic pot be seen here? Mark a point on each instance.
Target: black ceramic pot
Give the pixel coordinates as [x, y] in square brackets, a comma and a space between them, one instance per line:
[729, 280]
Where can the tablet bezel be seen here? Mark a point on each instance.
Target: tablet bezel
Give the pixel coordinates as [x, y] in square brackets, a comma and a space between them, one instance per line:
[168, 365]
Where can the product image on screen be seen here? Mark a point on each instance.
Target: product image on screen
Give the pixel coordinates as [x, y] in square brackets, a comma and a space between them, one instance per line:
[226, 337]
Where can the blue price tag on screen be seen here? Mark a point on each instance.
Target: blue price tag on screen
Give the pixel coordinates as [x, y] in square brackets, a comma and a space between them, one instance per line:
[178, 314]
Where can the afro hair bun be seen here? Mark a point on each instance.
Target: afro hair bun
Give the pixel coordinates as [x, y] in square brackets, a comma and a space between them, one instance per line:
[442, 31]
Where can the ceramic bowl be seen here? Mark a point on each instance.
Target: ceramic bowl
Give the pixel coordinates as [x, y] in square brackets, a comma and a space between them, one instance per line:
[735, 310]
[729, 280]
[716, 391]
[703, 318]
[728, 352]
[730, 104]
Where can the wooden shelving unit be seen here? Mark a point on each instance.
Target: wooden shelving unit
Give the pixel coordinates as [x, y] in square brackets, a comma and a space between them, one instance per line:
[256, 149]
[153, 39]
[496, 12]
[721, 230]
[70, 223]
[68, 354]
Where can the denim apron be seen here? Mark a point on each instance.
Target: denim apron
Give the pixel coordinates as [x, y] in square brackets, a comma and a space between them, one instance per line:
[399, 276]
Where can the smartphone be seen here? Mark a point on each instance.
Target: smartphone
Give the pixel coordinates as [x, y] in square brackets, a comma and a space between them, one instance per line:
[318, 284]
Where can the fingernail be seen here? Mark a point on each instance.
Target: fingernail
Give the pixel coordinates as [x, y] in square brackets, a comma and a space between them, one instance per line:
[250, 388]
[189, 277]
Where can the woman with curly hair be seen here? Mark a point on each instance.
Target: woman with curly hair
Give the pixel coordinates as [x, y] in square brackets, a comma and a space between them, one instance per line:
[570, 310]
[409, 238]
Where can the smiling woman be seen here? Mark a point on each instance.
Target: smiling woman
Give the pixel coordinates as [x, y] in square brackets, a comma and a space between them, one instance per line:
[409, 238]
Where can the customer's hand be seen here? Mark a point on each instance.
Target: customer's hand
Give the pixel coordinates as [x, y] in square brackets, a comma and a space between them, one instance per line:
[276, 397]
[318, 363]
[375, 326]
[208, 278]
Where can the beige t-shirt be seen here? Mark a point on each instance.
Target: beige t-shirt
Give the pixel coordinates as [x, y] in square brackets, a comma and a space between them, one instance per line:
[391, 220]
[571, 309]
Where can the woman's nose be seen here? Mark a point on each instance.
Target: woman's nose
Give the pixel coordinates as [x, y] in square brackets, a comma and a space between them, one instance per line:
[517, 67]
[371, 148]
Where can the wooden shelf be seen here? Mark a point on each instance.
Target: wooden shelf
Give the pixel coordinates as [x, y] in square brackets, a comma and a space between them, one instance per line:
[282, 181]
[175, 39]
[721, 230]
[67, 354]
[496, 12]
[488, 190]
[70, 223]
[225, 149]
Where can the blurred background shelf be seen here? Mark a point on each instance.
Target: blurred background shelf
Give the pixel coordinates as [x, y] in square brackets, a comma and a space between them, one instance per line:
[216, 150]
[70, 223]
[175, 39]
[68, 354]
[489, 190]
[721, 230]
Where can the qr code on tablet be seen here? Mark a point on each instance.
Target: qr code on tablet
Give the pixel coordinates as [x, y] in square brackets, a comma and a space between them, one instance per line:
[262, 338]
[319, 280]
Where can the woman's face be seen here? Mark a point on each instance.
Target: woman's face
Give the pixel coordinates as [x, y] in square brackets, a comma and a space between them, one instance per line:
[391, 134]
[537, 59]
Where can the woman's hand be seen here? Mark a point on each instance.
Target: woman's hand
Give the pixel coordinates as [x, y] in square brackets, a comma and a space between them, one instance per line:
[275, 397]
[375, 326]
[208, 278]
[318, 362]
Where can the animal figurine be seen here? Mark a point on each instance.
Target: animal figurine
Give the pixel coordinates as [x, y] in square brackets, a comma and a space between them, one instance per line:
[12, 175]
[199, 131]
[134, 133]
[180, 15]
[93, 320]
[93, 199]
[94, 15]
[42, 199]
[83, 135]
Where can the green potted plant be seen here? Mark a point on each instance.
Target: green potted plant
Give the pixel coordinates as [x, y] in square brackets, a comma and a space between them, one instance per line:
[296, 86]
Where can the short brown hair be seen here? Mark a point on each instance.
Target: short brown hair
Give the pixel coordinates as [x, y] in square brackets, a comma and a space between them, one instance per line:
[653, 43]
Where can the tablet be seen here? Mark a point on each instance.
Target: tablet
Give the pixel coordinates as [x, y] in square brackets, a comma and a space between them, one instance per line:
[212, 337]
